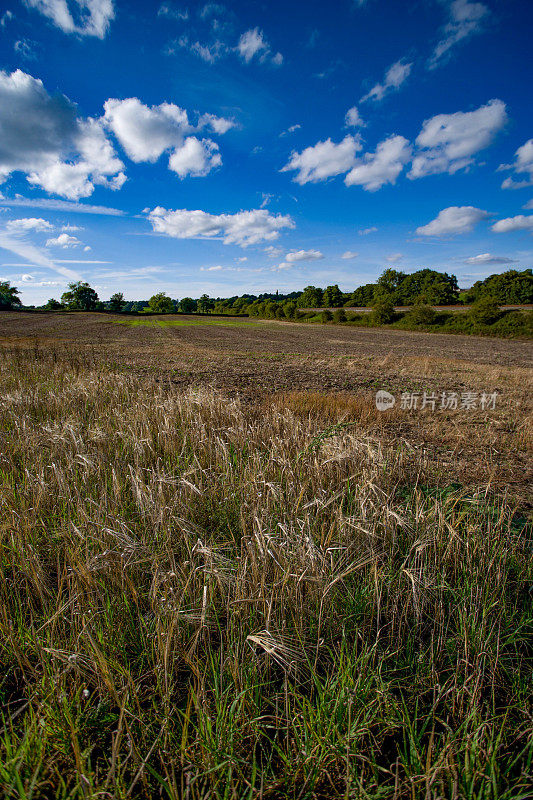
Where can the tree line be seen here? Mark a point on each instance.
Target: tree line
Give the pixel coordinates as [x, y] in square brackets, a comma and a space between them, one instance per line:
[424, 287]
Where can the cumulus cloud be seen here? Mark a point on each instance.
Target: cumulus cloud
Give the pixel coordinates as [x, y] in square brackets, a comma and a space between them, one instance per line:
[394, 77]
[383, 166]
[353, 118]
[295, 256]
[146, 133]
[349, 254]
[253, 43]
[64, 240]
[447, 142]
[303, 255]
[510, 224]
[392, 257]
[84, 17]
[243, 228]
[523, 164]
[488, 258]
[323, 160]
[366, 231]
[27, 224]
[453, 220]
[43, 136]
[466, 18]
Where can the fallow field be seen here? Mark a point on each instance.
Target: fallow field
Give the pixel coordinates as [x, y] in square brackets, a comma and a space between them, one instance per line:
[226, 574]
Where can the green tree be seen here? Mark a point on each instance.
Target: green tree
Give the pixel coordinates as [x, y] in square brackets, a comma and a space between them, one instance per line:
[117, 302]
[511, 287]
[333, 296]
[160, 303]
[340, 315]
[204, 304]
[9, 295]
[80, 297]
[363, 296]
[311, 297]
[53, 305]
[187, 305]
[290, 309]
[389, 283]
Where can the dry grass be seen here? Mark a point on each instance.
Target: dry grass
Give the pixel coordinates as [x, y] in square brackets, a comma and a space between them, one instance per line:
[201, 600]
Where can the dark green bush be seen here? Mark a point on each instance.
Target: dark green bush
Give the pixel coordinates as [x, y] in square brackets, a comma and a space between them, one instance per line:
[339, 315]
[383, 312]
[485, 311]
[422, 314]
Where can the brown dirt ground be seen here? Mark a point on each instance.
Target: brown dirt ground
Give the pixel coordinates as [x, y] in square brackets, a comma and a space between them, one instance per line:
[333, 372]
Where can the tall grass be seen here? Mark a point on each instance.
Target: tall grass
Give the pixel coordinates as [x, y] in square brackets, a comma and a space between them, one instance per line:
[205, 600]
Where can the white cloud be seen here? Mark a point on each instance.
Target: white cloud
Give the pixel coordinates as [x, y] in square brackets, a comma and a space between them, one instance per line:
[209, 52]
[323, 160]
[383, 166]
[394, 77]
[349, 254]
[168, 10]
[523, 164]
[290, 129]
[93, 16]
[510, 224]
[252, 43]
[243, 228]
[353, 118]
[25, 48]
[447, 142]
[42, 136]
[488, 258]
[392, 257]
[195, 158]
[34, 255]
[453, 220]
[465, 19]
[27, 224]
[146, 133]
[295, 256]
[64, 240]
[219, 125]
[273, 252]
[303, 255]
[6, 17]
[529, 205]
[27, 278]
[60, 205]
[366, 231]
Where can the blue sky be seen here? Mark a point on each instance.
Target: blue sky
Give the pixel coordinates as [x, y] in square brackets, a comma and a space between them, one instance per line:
[249, 147]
